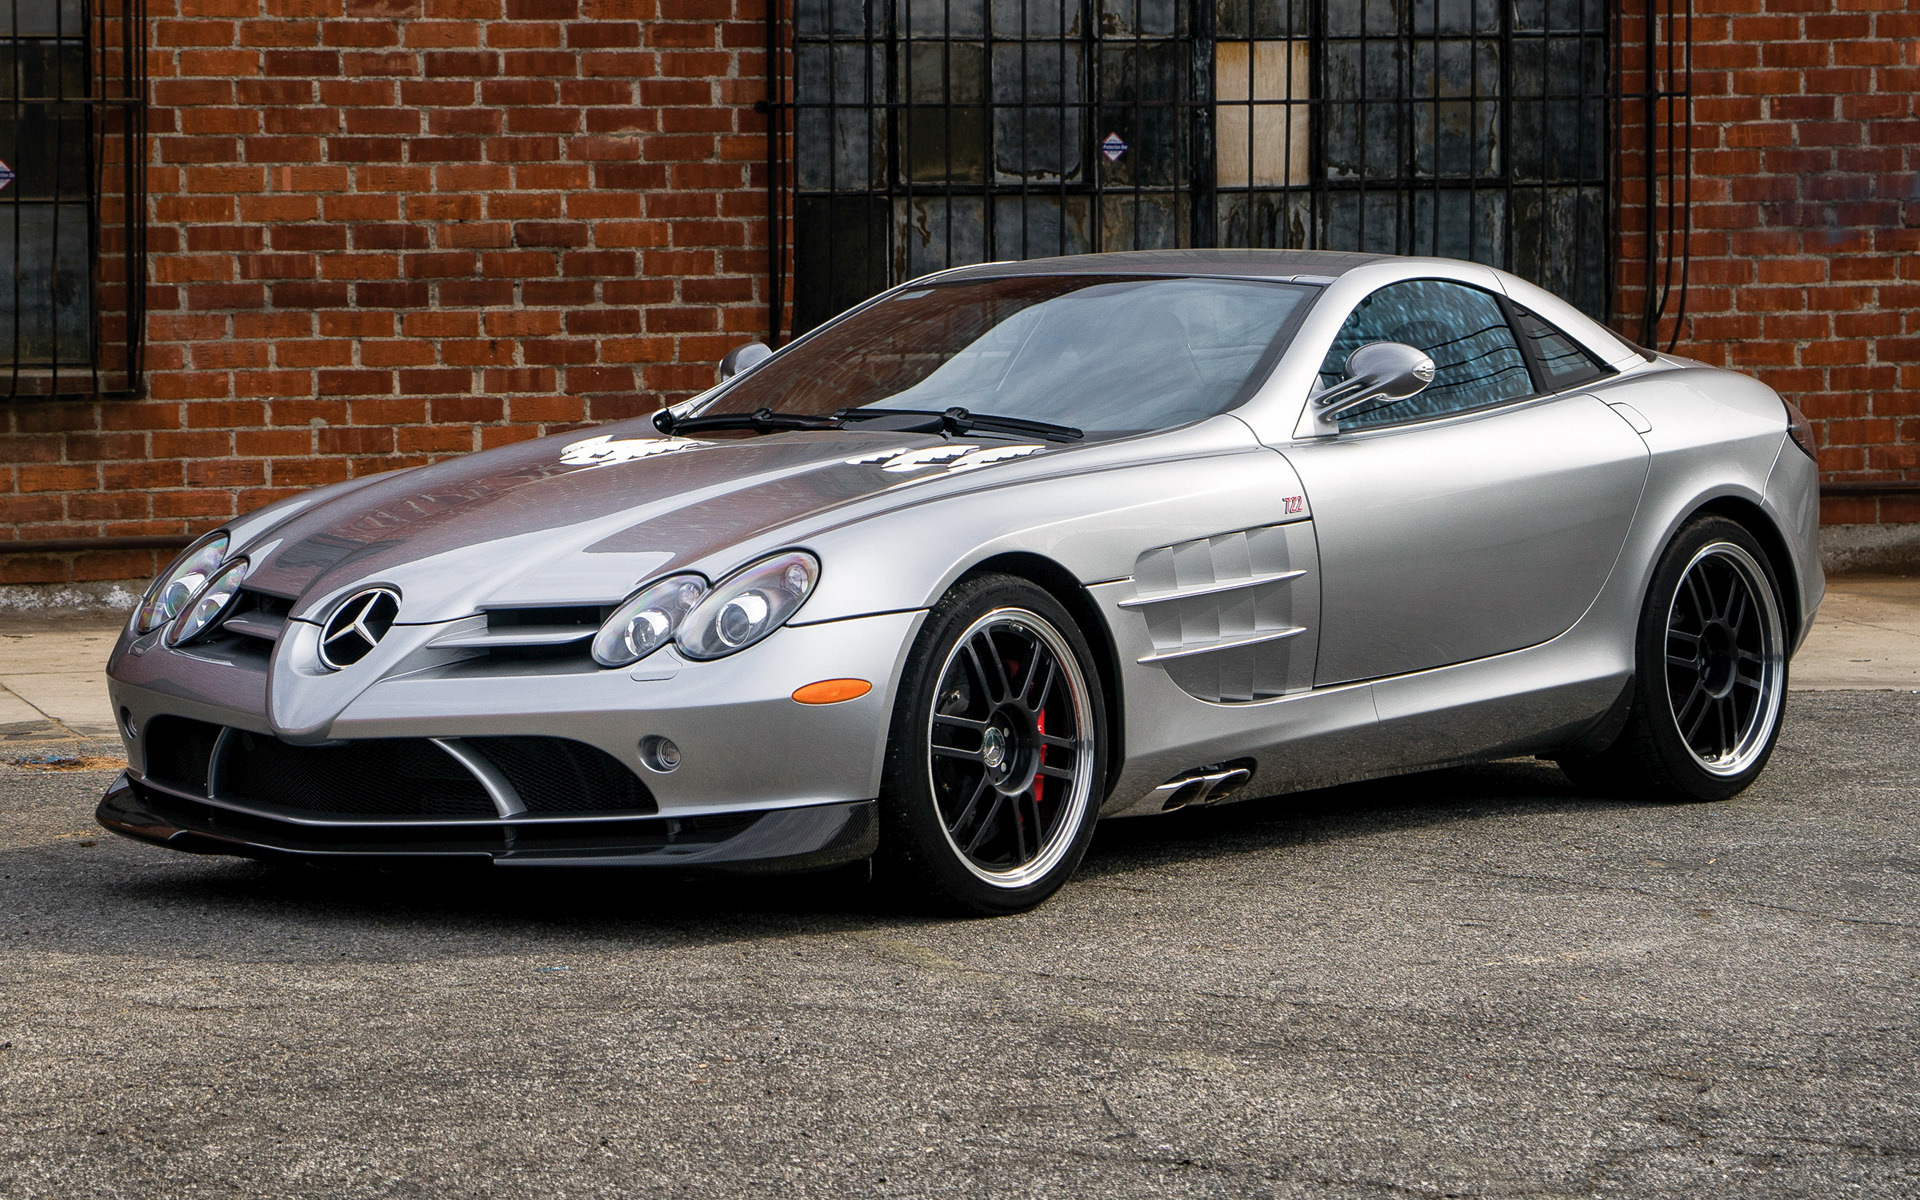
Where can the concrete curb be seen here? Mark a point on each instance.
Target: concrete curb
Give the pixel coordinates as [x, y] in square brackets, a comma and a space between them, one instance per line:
[1880, 549]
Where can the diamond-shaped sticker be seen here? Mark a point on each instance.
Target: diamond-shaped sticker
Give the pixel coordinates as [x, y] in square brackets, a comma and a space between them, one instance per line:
[1113, 147]
[6, 175]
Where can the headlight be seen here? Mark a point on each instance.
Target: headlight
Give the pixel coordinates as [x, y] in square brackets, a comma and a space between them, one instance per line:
[176, 586]
[749, 604]
[648, 621]
[209, 604]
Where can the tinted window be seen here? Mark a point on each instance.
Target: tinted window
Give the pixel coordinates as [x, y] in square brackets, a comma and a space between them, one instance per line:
[1563, 363]
[1476, 359]
[1104, 353]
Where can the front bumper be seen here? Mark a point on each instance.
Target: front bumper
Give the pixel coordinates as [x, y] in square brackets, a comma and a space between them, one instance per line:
[813, 837]
[745, 744]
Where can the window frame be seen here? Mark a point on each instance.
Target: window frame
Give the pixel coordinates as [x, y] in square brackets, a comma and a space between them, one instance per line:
[111, 105]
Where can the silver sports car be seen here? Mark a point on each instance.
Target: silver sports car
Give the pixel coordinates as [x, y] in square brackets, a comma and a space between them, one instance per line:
[1002, 551]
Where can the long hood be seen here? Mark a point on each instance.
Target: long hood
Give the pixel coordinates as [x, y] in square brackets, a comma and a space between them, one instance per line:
[582, 518]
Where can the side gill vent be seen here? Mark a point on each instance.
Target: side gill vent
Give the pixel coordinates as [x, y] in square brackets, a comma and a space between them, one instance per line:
[1221, 611]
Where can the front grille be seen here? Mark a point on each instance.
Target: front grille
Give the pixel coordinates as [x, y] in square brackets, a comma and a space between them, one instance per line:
[178, 751]
[378, 779]
[389, 779]
[554, 775]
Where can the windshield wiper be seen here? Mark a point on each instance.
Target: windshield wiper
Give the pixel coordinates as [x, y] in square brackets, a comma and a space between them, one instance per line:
[959, 420]
[762, 419]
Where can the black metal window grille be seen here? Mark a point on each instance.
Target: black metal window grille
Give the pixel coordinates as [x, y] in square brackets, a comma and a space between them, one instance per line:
[72, 227]
[910, 135]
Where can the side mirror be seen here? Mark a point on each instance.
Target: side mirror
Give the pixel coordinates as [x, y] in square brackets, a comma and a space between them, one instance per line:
[1377, 373]
[741, 358]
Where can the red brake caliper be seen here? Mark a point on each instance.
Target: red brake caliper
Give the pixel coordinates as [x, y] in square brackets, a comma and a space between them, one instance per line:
[1040, 725]
[1039, 784]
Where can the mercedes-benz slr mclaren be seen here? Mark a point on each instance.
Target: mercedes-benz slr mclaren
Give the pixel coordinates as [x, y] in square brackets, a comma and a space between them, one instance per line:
[998, 553]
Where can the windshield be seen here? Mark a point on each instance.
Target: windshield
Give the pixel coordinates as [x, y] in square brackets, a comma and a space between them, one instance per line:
[1101, 353]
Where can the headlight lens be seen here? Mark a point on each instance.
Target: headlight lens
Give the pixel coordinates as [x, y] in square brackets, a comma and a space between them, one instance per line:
[749, 604]
[209, 604]
[175, 588]
[648, 621]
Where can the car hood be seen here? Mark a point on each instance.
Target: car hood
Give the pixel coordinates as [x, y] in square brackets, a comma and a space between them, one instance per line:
[583, 518]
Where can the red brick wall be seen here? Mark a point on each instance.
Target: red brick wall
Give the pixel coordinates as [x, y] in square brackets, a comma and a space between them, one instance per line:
[388, 230]
[1806, 220]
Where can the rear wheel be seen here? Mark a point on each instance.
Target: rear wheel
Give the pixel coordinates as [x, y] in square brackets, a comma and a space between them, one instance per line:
[1711, 673]
[995, 754]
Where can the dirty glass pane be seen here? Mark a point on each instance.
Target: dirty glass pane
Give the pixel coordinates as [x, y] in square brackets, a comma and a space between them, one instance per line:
[1441, 17]
[1560, 16]
[1271, 220]
[46, 145]
[1560, 242]
[1459, 223]
[1350, 18]
[46, 279]
[940, 18]
[840, 18]
[937, 232]
[42, 18]
[842, 136]
[1143, 221]
[1142, 18]
[1364, 136]
[1014, 20]
[1454, 134]
[946, 127]
[46, 265]
[1038, 130]
[1282, 18]
[1040, 226]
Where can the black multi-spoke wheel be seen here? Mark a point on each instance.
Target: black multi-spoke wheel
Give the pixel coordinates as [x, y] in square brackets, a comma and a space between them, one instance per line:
[1711, 673]
[995, 758]
[1724, 669]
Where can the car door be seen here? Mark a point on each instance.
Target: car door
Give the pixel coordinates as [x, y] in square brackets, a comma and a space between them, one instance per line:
[1482, 515]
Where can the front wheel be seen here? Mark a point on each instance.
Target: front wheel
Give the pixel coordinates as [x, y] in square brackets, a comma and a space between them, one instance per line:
[995, 756]
[1711, 673]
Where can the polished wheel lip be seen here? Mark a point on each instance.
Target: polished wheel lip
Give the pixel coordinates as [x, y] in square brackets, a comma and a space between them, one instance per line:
[1749, 612]
[999, 780]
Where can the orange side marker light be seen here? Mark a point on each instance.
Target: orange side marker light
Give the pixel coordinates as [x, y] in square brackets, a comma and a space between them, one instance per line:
[832, 691]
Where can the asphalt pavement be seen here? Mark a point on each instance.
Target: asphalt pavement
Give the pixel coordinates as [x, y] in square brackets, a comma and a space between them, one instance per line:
[1472, 983]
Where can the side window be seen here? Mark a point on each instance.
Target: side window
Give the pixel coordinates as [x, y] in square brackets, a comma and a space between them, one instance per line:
[1562, 362]
[1477, 361]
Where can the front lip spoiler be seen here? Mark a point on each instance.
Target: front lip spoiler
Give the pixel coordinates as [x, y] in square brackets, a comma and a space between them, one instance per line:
[787, 839]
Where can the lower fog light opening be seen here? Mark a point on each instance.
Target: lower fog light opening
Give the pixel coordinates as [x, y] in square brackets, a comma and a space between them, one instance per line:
[659, 753]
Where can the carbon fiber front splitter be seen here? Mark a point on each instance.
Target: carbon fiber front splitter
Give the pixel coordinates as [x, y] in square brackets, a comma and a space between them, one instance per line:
[788, 839]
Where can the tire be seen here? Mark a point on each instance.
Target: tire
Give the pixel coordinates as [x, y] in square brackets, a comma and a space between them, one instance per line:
[995, 762]
[1710, 676]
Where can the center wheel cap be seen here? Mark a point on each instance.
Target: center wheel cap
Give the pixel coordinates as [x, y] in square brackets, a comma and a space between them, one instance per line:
[993, 748]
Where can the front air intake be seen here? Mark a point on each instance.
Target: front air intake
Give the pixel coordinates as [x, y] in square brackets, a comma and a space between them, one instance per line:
[393, 779]
[385, 779]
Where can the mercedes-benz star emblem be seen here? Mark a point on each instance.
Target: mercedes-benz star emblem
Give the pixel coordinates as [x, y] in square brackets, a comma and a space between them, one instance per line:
[357, 626]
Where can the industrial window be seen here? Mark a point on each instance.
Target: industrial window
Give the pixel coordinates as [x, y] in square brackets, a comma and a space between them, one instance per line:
[71, 197]
[911, 135]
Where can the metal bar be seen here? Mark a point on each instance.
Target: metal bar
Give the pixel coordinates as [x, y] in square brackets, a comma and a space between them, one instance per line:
[1870, 487]
[75, 545]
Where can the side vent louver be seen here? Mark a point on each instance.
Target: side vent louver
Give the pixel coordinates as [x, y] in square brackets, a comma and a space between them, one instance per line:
[1222, 611]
